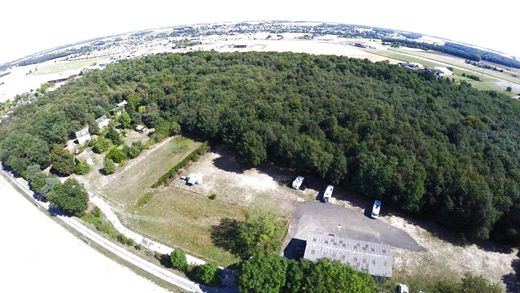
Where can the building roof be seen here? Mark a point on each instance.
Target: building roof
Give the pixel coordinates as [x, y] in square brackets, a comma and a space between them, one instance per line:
[82, 132]
[374, 258]
[84, 156]
[102, 119]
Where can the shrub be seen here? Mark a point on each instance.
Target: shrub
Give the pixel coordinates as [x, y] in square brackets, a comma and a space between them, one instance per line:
[213, 196]
[117, 155]
[178, 260]
[108, 166]
[82, 168]
[102, 145]
[202, 149]
[207, 274]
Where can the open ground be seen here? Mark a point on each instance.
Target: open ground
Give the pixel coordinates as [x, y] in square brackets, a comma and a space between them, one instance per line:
[182, 216]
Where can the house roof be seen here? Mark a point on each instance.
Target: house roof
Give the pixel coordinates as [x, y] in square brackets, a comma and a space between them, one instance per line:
[84, 156]
[374, 258]
[82, 132]
[102, 119]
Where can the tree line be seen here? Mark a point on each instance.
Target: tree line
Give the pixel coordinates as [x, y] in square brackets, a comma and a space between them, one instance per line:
[433, 148]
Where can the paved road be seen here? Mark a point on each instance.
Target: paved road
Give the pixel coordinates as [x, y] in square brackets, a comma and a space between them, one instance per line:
[157, 271]
[326, 218]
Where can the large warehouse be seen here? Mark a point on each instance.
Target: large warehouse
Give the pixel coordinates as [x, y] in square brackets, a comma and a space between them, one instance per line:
[374, 258]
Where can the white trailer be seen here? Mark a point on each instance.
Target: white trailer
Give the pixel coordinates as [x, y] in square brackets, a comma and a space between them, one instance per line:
[327, 194]
[297, 182]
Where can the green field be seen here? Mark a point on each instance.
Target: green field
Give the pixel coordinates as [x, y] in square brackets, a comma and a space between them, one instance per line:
[184, 219]
[132, 182]
[486, 82]
[176, 217]
[62, 65]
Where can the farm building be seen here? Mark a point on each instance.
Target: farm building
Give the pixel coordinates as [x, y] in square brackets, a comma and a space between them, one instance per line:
[102, 122]
[83, 135]
[374, 258]
[411, 65]
[86, 157]
[442, 71]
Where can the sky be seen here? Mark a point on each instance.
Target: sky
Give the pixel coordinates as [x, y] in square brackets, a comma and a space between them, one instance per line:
[29, 26]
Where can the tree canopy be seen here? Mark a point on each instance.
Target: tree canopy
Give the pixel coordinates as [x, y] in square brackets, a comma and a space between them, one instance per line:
[432, 147]
[70, 197]
[273, 273]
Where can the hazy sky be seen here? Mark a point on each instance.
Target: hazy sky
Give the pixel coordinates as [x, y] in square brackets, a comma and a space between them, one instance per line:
[29, 26]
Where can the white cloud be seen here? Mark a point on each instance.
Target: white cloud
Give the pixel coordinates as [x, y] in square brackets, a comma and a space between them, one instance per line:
[29, 26]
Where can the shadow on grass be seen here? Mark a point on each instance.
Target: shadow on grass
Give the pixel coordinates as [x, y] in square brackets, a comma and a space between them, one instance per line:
[224, 234]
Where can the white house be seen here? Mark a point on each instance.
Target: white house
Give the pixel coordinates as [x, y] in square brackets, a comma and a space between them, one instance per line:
[102, 122]
[83, 135]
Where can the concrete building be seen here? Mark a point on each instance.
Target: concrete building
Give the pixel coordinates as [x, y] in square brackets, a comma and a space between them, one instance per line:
[83, 135]
[371, 257]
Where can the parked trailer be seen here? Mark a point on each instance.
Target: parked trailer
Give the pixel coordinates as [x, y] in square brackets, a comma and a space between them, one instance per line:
[327, 194]
[376, 208]
[297, 182]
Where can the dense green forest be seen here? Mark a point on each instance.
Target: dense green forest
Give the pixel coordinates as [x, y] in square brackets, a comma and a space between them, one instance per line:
[430, 147]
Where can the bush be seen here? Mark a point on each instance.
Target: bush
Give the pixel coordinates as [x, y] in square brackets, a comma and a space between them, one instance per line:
[213, 196]
[207, 274]
[117, 155]
[102, 145]
[134, 150]
[178, 260]
[257, 234]
[108, 166]
[202, 149]
[82, 168]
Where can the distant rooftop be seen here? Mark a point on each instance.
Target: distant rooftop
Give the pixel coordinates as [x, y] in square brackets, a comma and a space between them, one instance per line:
[371, 257]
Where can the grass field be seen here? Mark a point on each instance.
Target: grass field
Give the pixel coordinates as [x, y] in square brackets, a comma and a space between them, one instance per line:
[63, 66]
[173, 216]
[129, 184]
[184, 219]
[486, 82]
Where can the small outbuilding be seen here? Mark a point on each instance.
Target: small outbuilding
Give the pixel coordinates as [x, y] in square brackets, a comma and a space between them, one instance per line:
[102, 122]
[86, 157]
[83, 135]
